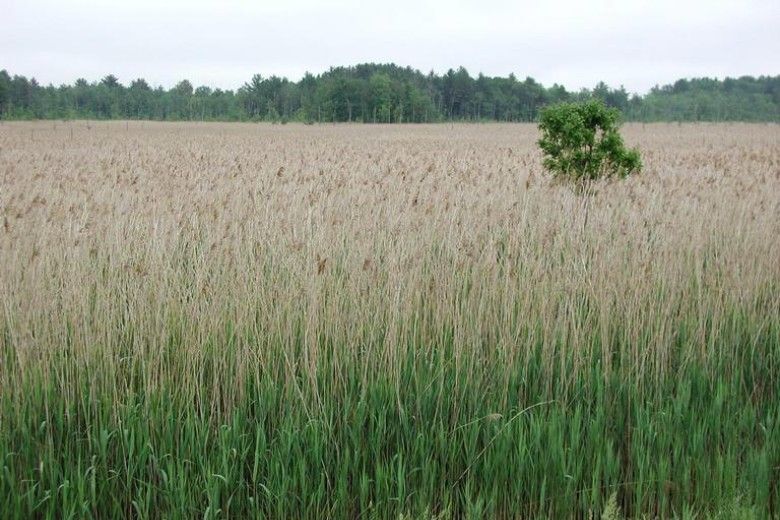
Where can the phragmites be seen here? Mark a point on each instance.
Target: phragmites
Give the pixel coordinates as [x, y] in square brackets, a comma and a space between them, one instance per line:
[256, 321]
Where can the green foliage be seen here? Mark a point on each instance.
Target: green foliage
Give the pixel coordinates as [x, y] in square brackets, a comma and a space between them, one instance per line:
[580, 141]
[434, 438]
[385, 93]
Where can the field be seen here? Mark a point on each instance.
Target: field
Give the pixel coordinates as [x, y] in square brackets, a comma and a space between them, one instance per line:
[290, 321]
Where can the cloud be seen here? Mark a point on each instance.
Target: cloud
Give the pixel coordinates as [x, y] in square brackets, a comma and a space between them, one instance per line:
[222, 44]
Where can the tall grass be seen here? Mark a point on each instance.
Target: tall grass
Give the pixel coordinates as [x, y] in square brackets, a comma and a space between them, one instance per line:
[307, 322]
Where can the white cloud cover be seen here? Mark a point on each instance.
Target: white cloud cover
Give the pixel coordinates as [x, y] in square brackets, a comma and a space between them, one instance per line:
[222, 43]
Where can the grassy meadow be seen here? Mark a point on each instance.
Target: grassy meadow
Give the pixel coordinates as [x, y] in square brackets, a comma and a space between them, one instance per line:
[410, 321]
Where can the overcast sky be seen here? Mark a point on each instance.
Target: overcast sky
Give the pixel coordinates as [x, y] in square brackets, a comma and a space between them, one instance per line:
[223, 43]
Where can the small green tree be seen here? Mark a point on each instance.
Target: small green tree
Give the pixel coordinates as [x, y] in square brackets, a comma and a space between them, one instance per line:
[581, 142]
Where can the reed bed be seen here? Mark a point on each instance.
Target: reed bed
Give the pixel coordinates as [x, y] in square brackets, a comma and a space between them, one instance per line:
[239, 320]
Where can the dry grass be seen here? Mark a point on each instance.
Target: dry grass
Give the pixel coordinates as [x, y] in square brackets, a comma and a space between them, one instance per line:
[198, 262]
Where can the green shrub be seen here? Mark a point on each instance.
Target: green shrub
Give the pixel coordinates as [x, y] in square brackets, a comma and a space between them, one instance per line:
[581, 142]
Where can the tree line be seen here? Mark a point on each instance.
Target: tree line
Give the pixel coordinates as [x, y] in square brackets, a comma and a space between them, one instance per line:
[382, 93]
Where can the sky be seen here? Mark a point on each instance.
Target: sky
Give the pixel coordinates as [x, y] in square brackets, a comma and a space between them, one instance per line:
[636, 44]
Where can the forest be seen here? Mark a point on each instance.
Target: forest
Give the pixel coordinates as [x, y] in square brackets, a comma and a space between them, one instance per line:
[381, 93]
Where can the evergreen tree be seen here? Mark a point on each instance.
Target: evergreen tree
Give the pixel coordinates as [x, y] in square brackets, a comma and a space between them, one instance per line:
[387, 93]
